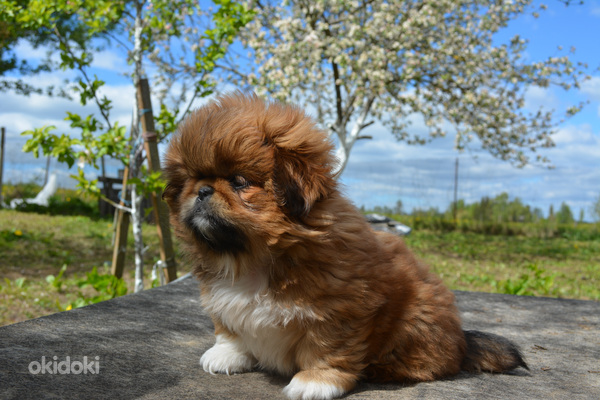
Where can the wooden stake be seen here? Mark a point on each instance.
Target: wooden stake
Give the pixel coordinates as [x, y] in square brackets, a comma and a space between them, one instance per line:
[161, 212]
[121, 231]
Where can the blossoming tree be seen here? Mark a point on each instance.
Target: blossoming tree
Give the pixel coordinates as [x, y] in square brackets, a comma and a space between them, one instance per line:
[357, 61]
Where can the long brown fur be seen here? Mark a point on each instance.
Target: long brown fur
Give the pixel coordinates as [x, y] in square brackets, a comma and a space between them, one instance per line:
[255, 203]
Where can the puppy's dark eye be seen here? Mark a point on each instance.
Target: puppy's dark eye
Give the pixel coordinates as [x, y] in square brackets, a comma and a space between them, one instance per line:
[238, 182]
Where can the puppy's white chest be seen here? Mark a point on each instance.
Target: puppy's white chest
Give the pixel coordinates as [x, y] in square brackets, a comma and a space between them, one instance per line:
[246, 306]
[262, 323]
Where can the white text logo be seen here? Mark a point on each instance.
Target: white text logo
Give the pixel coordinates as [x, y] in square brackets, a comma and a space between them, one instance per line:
[54, 367]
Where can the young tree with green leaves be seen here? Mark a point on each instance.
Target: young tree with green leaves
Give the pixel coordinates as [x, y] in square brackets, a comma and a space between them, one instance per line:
[161, 33]
[16, 27]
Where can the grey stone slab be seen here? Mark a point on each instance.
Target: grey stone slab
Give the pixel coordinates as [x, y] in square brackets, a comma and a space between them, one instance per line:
[149, 345]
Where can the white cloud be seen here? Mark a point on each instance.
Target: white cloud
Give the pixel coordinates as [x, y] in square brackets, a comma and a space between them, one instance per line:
[537, 97]
[380, 171]
[107, 60]
[383, 171]
[21, 113]
[591, 88]
[110, 60]
[25, 51]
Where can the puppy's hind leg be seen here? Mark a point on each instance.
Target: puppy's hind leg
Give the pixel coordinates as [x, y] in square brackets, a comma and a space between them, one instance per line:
[320, 384]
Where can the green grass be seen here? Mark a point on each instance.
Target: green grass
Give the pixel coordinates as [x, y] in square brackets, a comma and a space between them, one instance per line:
[34, 247]
[556, 267]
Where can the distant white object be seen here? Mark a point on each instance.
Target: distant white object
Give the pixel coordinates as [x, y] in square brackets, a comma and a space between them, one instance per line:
[42, 197]
[402, 229]
[379, 220]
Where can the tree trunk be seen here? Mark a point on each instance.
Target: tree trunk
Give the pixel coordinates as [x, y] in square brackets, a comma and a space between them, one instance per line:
[348, 139]
[135, 158]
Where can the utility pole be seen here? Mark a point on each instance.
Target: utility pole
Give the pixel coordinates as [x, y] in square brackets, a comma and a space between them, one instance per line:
[455, 208]
[1, 164]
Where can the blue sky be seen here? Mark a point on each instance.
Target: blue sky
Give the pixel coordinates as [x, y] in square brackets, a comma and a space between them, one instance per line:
[382, 171]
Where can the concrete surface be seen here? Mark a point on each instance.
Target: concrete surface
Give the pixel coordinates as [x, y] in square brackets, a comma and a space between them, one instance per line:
[148, 347]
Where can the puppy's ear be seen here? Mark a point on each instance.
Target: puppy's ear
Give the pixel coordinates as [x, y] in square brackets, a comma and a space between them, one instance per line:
[302, 180]
[302, 154]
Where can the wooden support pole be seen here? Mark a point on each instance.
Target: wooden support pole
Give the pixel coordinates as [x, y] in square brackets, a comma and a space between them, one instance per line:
[121, 231]
[1, 164]
[161, 212]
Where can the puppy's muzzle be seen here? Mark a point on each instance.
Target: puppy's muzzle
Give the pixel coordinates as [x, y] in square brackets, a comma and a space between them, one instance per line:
[209, 227]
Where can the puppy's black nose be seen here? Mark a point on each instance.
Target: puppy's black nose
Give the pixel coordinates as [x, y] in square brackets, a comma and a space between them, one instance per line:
[205, 192]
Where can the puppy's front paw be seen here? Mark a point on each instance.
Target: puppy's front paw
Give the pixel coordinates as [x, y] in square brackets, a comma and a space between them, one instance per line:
[312, 390]
[226, 357]
[319, 385]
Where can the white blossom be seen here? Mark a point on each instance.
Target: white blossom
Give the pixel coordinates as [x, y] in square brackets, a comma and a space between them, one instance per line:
[355, 61]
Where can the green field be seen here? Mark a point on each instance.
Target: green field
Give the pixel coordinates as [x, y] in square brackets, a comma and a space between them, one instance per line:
[555, 267]
[34, 248]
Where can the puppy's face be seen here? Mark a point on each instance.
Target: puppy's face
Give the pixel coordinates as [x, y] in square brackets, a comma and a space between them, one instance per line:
[241, 173]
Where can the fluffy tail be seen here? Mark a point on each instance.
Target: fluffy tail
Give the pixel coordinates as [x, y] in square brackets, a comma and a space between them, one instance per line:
[491, 353]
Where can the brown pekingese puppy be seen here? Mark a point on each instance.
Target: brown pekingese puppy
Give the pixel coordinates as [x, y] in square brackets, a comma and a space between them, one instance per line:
[294, 278]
